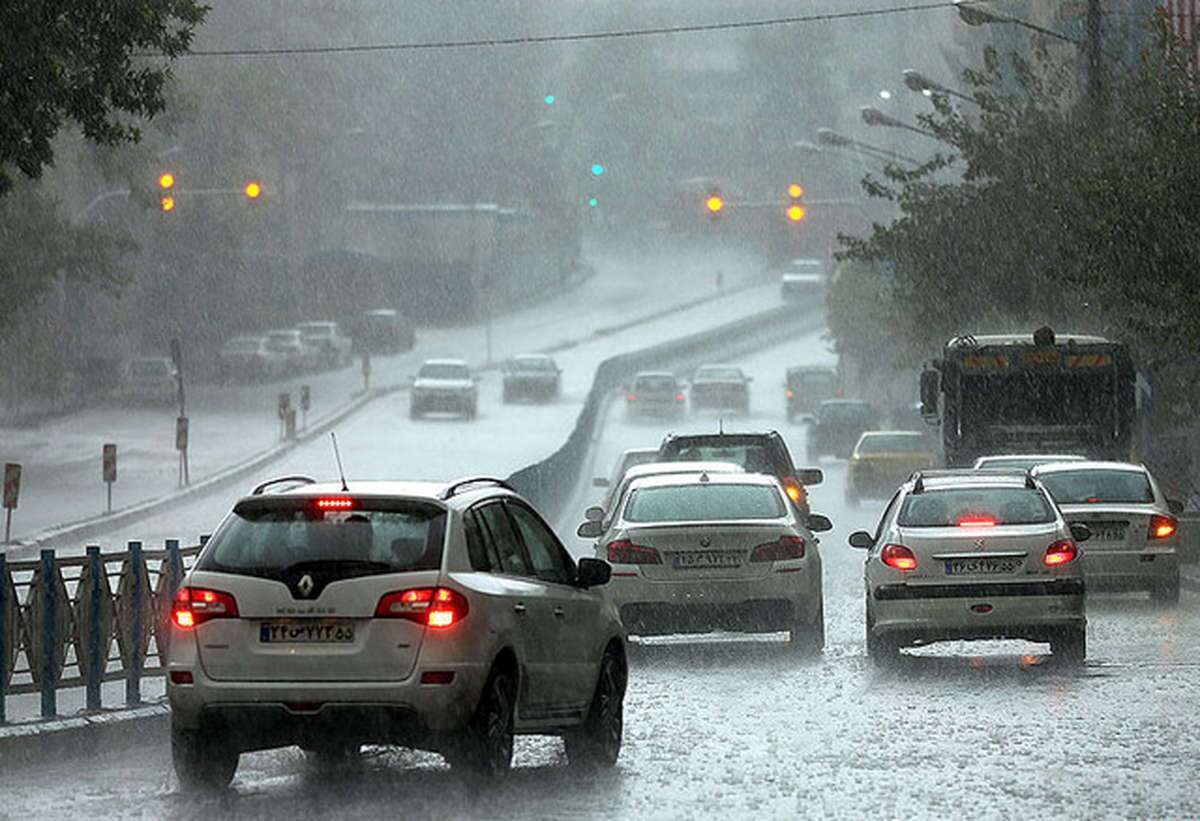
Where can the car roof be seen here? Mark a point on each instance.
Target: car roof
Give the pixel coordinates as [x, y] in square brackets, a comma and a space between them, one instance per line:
[856, 402]
[444, 361]
[675, 479]
[422, 490]
[1064, 467]
[707, 365]
[829, 369]
[1046, 457]
[663, 468]
[968, 478]
[872, 434]
[536, 356]
[983, 340]
[288, 331]
[654, 374]
[316, 323]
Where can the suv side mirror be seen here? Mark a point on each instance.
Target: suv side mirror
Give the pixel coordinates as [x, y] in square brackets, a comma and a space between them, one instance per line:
[590, 530]
[593, 573]
[1080, 532]
[861, 539]
[930, 382]
[1175, 506]
[810, 477]
[818, 523]
[595, 513]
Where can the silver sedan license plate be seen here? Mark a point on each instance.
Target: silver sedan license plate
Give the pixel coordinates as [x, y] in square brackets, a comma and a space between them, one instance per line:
[707, 560]
[982, 566]
[309, 631]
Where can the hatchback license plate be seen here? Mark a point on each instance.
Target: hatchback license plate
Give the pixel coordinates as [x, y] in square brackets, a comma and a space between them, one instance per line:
[982, 566]
[1107, 531]
[306, 632]
[707, 560]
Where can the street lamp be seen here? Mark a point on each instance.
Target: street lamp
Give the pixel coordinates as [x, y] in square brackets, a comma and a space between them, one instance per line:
[921, 84]
[874, 117]
[827, 136]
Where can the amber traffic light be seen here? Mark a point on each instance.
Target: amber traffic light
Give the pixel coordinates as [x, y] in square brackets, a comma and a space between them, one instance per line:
[166, 180]
[796, 212]
[795, 191]
[253, 190]
[715, 204]
[167, 203]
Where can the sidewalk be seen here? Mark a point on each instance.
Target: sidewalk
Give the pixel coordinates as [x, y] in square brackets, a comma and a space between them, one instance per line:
[61, 479]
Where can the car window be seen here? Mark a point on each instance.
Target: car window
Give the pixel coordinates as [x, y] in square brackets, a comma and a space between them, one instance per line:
[976, 506]
[508, 549]
[703, 502]
[754, 458]
[887, 514]
[545, 552]
[892, 443]
[732, 374]
[655, 383]
[444, 371]
[1076, 487]
[480, 548]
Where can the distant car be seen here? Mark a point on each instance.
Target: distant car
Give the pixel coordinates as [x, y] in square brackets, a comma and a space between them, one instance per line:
[445, 386]
[150, 380]
[531, 376]
[1022, 462]
[655, 394]
[694, 553]
[1135, 532]
[757, 452]
[299, 355]
[965, 554]
[723, 387]
[802, 278]
[328, 340]
[838, 423]
[629, 459]
[443, 617]
[883, 460]
[249, 357]
[384, 331]
[807, 386]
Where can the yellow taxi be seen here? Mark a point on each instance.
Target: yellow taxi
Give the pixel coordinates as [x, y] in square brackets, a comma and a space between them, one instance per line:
[883, 460]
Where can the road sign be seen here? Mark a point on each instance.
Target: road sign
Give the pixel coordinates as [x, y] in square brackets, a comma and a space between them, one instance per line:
[12, 485]
[181, 433]
[110, 463]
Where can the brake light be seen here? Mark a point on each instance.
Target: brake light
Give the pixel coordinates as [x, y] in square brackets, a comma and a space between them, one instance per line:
[898, 556]
[976, 521]
[438, 607]
[679, 397]
[631, 397]
[785, 547]
[1162, 527]
[336, 503]
[1064, 551]
[789, 393]
[195, 605]
[795, 491]
[623, 551]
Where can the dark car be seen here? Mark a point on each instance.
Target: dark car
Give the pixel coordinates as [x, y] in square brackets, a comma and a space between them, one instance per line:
[759, 452]
[654, 393]
[723, 387]
[807, 386]
[837, 425]
[531, 376]
[383, 331]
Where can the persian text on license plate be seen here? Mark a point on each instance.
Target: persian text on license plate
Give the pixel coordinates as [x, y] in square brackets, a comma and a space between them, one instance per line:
[707, 560]
[306, 632]
[982, 566]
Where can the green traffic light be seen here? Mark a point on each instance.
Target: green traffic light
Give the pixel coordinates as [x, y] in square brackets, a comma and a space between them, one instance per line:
[598, 169]
[549, 99]
[593, 202]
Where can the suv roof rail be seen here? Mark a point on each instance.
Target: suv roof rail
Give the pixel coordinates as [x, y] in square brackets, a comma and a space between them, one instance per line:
[918, 478]
[454, 487]
[279, 480]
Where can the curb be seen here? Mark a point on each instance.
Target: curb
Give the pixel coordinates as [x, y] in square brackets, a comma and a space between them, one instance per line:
[24, 745]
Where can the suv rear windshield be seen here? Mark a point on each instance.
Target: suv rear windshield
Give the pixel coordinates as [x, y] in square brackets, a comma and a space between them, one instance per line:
[272, 536]
[852, 413]
[979, 506]
[813, 381]
[753, 456]
[545, 365]
[722, 374]
[655, 383]
[1079, 487]
[444, 371]
[703, 503]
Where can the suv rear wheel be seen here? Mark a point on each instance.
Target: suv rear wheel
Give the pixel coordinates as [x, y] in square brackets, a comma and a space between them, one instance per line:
[1070, 644]
[203, 761]
[598, 742]
[486, 747]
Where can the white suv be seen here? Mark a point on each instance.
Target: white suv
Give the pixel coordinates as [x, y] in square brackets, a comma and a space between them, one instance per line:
[973, 554]
[433, 616]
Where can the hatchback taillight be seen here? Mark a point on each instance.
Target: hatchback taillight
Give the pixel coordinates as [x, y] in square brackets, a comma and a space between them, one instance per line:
[623, 551]
[898, 556]
[1162, 527]
[431, 606]
[195, 605]
[1064, 551]
[785, 547]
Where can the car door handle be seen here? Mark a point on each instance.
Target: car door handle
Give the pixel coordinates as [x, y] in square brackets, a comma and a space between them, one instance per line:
[558, 611]
[519, 608]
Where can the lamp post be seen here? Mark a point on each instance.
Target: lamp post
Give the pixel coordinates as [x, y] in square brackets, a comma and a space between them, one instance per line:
[827, 136]
[921, 84]
[874, 117]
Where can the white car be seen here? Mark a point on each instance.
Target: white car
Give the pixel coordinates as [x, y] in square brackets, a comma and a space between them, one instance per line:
[695, 553]
[1011, 461]
[966, 554]
[445, 386]
[628, 459]
[1135, 533]
[327, 339]
[433, 616]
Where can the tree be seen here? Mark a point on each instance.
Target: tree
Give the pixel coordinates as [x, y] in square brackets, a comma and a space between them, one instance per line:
[102, 66]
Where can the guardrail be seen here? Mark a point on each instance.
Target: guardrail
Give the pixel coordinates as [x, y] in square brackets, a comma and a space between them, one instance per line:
[71, 615]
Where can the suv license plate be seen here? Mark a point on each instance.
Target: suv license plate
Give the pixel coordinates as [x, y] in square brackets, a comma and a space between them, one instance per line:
[982, 567]
[707, 560]
[306, 632]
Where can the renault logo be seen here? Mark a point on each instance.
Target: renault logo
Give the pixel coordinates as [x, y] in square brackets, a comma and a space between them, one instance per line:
[305, 585]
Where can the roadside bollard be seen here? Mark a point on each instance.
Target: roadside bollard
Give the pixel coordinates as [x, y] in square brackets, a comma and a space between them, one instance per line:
[133, 673]
[94, 674]
[48, 668]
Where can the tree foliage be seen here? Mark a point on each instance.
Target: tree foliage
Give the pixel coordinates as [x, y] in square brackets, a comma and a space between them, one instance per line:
[1043, 207]
[77, 61]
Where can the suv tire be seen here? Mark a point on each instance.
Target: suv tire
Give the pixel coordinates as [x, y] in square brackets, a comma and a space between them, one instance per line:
[486, 747]
[204, 762]
[1070, 645]
[597, 743]
[808, 639]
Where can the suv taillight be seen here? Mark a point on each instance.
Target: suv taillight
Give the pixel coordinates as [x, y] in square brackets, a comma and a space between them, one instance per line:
[1064, 551]
[431, 606]
[623, 551]
[1162, 527]
[795, 491]
[898, 556]
[785, 547]
[195, 605]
